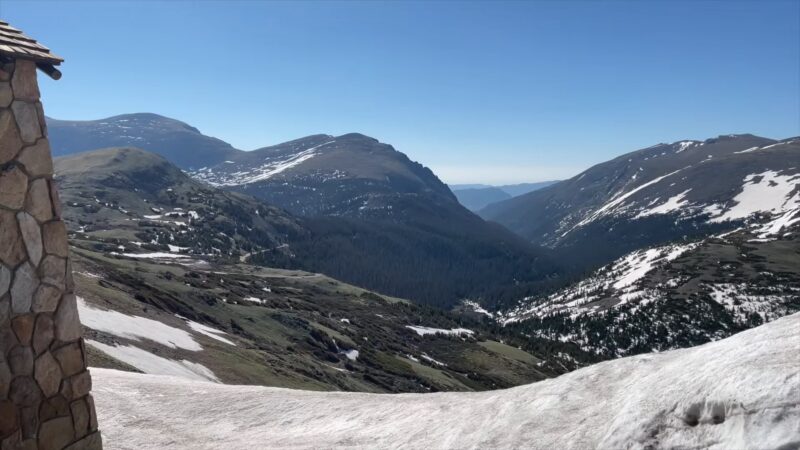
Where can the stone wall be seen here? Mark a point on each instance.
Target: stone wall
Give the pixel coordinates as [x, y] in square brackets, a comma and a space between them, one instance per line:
[44, 385]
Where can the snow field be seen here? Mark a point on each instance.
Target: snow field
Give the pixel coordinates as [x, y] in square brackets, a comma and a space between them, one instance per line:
[738, 393]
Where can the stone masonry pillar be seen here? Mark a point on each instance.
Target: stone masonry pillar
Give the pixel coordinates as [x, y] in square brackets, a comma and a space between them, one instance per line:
[44, 385]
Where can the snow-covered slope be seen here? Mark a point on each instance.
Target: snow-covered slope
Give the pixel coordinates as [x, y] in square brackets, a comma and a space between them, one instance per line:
[630, 279]
[673, 296]
[348, 175]
[659, 194]
[739, 393]
[249, 169]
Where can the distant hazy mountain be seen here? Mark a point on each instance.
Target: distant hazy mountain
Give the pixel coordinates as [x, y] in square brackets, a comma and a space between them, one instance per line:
[456, 187]
[523, 188]
[181, 144]
[688, 189]
[477, 196]
[476, 199]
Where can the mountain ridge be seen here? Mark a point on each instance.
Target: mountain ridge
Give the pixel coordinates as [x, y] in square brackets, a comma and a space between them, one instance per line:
[140, 202]
[650, 196]
[181, 143]
[301, 168]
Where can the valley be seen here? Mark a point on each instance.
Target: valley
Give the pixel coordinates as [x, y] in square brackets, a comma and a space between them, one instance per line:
[266, 248]
[156, 250]
[475, 197]
[240, 324]
[384, 222]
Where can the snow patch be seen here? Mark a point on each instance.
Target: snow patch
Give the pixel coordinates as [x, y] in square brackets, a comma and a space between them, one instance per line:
[154, 364]
[476, 307]
[618, 200]
[155, 255]
[672, 204]
[269, 169]
[352, 355]
[135, 328]
[423, 331]
[206, 330]
[761, 193]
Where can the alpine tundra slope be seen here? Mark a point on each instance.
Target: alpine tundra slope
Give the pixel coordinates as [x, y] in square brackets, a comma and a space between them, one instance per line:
[737, 393]
[687, 189]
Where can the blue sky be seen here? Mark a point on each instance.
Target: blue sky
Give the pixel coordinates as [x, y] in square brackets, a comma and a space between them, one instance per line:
[480, 92]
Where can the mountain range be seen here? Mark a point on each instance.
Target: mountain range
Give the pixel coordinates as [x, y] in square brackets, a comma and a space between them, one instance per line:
[420, 245]
[666, 247]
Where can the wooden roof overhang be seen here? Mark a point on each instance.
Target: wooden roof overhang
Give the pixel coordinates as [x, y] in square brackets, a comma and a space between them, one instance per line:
[15, 45]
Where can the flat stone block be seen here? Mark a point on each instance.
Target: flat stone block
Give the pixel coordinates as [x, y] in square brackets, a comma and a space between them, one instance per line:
[27, 120]
[37, 159]
[32, 236]
[12, 250]
[10, 141]
[38, 201]
[13, 187]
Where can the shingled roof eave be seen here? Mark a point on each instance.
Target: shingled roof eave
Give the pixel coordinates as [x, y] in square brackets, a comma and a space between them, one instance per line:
[14, 44]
